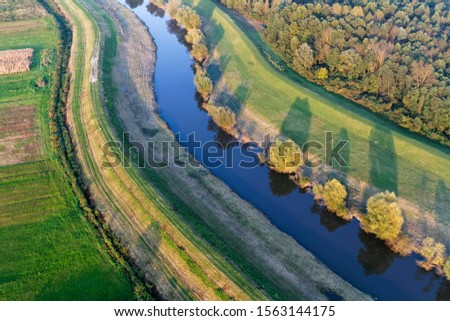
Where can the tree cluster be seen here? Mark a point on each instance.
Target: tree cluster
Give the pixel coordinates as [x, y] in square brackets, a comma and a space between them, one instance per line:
[392, 57]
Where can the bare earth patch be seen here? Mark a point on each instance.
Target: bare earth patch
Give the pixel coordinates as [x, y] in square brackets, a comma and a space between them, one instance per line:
[15, 61]
[18, 135]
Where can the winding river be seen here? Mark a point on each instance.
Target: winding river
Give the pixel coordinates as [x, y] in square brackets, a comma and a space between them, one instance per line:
[357, 257]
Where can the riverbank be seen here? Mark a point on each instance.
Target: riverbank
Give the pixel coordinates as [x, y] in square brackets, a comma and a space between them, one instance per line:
[240, 232]
[379, 155]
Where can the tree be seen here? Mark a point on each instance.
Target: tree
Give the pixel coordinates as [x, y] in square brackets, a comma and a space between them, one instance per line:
[318, 191]
[223, 116]
[433, 252]
[284, 156]
[447, 269]
[322, 73]
[199, 52]
[203, 84]
[384, 217]
[350, 64]
[334, 195]
[195, 36]
[303, 57]
[172, 7]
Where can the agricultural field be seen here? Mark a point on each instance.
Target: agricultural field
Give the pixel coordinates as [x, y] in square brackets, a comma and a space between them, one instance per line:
[380, 156]
[48, 249]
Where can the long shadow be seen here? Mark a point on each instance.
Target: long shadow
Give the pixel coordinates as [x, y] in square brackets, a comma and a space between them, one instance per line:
[236, 101]
[214, 32]
[297, 123]
[345, 153]
[134, 3]
[375, 257]
[383, 160]
[442, 202]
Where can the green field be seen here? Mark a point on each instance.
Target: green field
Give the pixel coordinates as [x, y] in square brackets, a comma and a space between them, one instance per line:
[378, 152]
[48, 249]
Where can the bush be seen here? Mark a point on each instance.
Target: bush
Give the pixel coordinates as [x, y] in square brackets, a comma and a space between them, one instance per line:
[223, 116]
[322, 73]
[384, 217]
[334, 195]
[447, 269]
[433, 253]
[187, 18]
[195, 36]
[203, 84]
[284, 156]
[199, 52]
[317, 191]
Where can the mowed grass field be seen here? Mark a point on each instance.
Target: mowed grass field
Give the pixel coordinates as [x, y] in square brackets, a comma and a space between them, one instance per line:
[48, 250]
[378, 153]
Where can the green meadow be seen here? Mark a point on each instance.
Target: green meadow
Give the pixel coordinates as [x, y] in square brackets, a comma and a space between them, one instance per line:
[378, 153]
[48, 250]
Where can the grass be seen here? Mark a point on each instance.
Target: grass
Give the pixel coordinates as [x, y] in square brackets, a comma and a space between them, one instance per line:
[182, 265]
[48, 249]
[378, 152]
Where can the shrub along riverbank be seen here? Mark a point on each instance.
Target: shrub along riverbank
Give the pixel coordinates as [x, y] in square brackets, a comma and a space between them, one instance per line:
[401, 242]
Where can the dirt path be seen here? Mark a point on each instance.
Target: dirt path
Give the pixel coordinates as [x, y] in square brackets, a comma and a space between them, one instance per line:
[277, 256]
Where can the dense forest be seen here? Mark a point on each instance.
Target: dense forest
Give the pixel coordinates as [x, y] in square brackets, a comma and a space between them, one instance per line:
[392, 57]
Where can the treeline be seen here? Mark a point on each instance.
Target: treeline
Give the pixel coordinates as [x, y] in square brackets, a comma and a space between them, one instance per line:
[189, 20]
[63, 146]
[393, 58]
[382, 217]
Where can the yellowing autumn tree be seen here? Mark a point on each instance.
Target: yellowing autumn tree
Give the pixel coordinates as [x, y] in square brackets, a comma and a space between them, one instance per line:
[384, 217]
[334, 195]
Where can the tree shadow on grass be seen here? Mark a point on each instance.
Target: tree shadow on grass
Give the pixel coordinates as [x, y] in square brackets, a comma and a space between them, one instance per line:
[214, 32]
[296, 124]
[442, 202]
[236, 101]
[383, 160]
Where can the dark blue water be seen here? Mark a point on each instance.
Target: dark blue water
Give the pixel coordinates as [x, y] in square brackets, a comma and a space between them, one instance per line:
[357, 257]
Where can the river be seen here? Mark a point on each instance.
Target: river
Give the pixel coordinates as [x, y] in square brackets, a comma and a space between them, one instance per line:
[357, 257]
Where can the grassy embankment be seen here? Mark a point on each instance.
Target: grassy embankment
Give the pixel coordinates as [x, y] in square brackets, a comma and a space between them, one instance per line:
[379, 154]
[181, 264]
[170, 230]
[48, 249]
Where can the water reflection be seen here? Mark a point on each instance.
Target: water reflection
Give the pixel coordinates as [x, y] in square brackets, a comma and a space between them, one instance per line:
[134, 3]
[280, 184]
[375, 257]
[348, 251]
[329, 220]
[155, 10]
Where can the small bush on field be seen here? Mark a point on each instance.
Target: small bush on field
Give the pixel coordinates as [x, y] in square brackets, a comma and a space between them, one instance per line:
[334, 195]
[222, 116]
[384, 217]
[48, 56]
[41, 82]
[15, 61]
[203, 84]
[284, 156]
